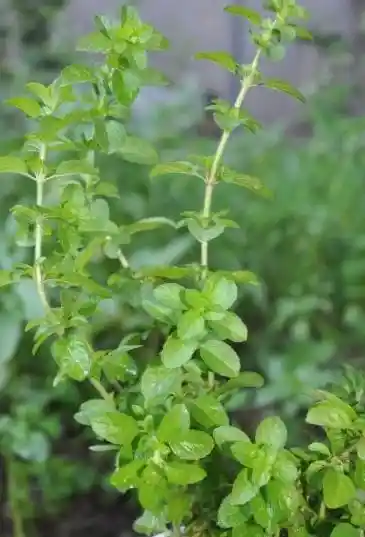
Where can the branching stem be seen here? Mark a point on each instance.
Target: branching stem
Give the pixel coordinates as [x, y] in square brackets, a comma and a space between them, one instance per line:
[211, 179]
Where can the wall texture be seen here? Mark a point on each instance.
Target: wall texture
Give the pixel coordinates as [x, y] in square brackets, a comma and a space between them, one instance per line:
[193, 25]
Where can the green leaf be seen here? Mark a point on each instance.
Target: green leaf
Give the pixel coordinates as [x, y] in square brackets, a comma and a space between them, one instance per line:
[285, 468]
[222, 58]
[149, 224]
[73, 357]
[177, 352]
[138, 151]
[75, 167]
[243, 490]
[29, 107]
[94, 42]
[360, 448]
[262, 466]
[172, 168]
[6, 278]
[251, 15]
[174, 424]
[93, 409]
[345, 530]
[193, 445]
[149, 524]
[220, 291]
[228, 327]
[248, 530]
[272, 432]
[191, 325]
[119, 366]
[13, 165]
[229, 434]
[178, 506]
[115, 427]
[246, 181]
[318, 447]
[209, 412]
[76, 74]
[284, 87]
[157, 383]
[230, 515]
[127, 476]
[116, 133]
[334, 414]
[246, 379]
[180, 473]
[220, 358]
[338, 489]
[169, 294]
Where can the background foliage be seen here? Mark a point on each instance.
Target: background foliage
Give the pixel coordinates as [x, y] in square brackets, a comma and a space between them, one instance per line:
[306, 317]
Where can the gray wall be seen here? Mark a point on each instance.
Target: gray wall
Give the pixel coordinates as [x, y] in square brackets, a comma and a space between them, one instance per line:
[193, 25]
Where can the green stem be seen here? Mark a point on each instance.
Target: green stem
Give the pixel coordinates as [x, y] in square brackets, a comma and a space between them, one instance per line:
[38, 236]
[100, 389]
[211, 179]
[123, 260]
[16, 516]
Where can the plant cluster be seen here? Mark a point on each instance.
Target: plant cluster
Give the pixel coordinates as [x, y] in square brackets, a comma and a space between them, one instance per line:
[165, 416]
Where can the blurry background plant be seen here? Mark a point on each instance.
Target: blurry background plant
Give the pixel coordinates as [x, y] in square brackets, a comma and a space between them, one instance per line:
[307, 245]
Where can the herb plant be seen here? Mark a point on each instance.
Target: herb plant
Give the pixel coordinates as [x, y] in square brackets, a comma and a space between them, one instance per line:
[164, 417]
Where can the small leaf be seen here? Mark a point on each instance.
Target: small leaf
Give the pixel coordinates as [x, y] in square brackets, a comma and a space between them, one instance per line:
[220, 358]
[246, 181]
[285, 468]
[116, 133]
[243, 490]
[157, 383]
[115, 427]
[209, 412]
[318, 447]
[272, 432]
[229, 515]
[171, 168]
[345, 530]
[138, 151]
[246, 379]
[177, 352]
[338, 489]
[251, 15]
[224, 59]
[229, 327]
[30, 107]
[169, 295]
[180, 473]
[220, 291]
[193, 445]
[73, 357]
[191, 325]
[13, 165]
[76, 74]
[284, 87]
[75, 167]
[174, 424]
[127, 476]
[334, 414]
[149, 224]
[229, 434]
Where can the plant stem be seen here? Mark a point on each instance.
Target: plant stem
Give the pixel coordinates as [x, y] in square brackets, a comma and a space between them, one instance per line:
[123, 260]
[100, 389]
[16, 516]
[38, 276]
[211, 179]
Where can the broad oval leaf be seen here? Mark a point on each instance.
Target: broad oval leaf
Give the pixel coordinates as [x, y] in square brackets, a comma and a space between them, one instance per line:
[208, 411]
[243, 490]
[11, 164]
[180, 473]
[174, 424]
[73, 357]
[193, 445]
[115, 427]
[229, 434]
[229, 327]
[334, 414]
[127, 477]
[272, 432]
[345, 530]
[220, 358]
[230, 515]
[29, 107]
[191, 325]
[177, 352]
[338, 489]
[181, 168]
[157, 383]
[220, 291]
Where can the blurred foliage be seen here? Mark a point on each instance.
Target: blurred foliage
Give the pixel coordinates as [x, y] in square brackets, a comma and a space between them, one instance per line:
[307, 245]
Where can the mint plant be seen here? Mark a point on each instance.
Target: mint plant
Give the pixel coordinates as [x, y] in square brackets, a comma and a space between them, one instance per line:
[193, 471]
